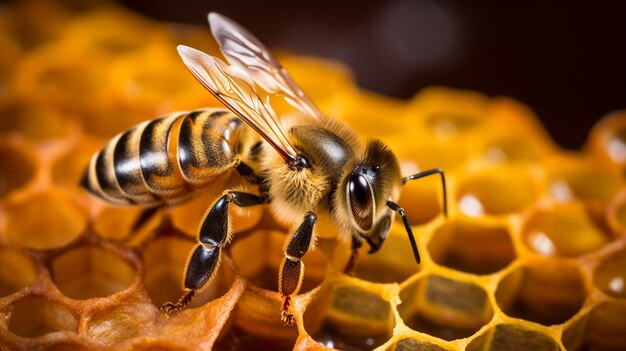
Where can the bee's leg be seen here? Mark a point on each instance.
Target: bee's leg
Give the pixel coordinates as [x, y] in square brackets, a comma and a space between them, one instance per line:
[146, 215]
[292, 268]
[356, 244]
[213, 234]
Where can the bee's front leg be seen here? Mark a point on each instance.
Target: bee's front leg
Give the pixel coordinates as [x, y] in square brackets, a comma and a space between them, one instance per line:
[292, 268]
[213, 234]
[356, 244]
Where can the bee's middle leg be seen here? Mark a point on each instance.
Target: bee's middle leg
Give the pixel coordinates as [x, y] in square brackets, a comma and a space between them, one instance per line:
[214, 233]
[292, 268]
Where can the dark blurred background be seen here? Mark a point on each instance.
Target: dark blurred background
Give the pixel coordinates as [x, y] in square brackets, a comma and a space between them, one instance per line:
[565, 59]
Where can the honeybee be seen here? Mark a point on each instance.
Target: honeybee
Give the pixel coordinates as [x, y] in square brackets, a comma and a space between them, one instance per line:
[312, 171]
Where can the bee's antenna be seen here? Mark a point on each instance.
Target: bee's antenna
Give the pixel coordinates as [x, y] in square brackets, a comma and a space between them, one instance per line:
[394, 206]
[443, 184]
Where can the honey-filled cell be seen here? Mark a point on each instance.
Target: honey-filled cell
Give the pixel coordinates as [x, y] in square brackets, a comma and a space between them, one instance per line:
[64, 76]
[607, 139]
[610, 274]
[448, 112]
[581, 179]
[566, 230]
[126, 31]
[480, 194]
[45, 220]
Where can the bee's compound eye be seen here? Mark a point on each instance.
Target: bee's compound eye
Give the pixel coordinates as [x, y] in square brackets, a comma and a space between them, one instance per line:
[361, 201]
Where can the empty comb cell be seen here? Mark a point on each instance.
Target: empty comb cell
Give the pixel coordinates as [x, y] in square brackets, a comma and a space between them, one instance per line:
[470, 246]
[444, 307]
[546, 291]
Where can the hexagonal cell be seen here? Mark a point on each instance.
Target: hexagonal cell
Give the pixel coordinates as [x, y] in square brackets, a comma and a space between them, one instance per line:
[567, 229]
[608, 138]
[616, 214]
[91, 271]
[140, 79]
[16, 271]
[116, 223]
[422, 199]
[63, 78]
[165, 260]
[610, 274]
[432, 153]
[128, 31]
[37, 316]
[364, 115]
[33, 120]
[448, 111]
[258, 257]
[394, 263]
[345, 316]
[471, 246]
[512, 337]
[114, 118]
[68, 169]
[17, 168]
[236, 338]
[604, 328]
[546, 291]
[409, 344]
[512, 148]
[481, 193]
[446, 308]
[580, 179]
[45, 221]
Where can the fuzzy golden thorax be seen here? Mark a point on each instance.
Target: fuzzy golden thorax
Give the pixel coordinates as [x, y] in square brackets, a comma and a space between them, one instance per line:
[329, 147]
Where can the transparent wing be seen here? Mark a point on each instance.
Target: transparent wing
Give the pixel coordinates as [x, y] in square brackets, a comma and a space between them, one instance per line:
[245, 51]
[235, 89]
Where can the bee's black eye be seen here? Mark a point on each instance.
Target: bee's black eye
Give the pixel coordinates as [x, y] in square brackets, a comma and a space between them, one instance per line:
[361, 201]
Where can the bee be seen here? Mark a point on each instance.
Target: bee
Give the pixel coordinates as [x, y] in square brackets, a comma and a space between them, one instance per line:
[313, 171]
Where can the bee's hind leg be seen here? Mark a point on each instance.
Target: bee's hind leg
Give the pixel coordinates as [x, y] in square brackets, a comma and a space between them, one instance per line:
[214, 233]
[292, 268]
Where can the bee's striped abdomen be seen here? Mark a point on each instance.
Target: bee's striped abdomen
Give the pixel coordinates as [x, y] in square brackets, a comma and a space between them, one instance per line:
[165, 159]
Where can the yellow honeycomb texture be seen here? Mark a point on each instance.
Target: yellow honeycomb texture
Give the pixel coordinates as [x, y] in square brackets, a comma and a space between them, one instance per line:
[532, 256]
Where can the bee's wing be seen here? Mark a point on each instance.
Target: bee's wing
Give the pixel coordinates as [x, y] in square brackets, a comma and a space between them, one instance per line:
[244, 50]
[235, 89]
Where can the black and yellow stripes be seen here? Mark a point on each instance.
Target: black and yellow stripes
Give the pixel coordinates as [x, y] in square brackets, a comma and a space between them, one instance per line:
[165, 159]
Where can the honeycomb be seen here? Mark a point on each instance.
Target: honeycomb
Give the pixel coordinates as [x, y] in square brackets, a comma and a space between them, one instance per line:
[532, 256]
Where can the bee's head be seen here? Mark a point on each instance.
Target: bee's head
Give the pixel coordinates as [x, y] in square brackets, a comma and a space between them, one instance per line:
[366, 189]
